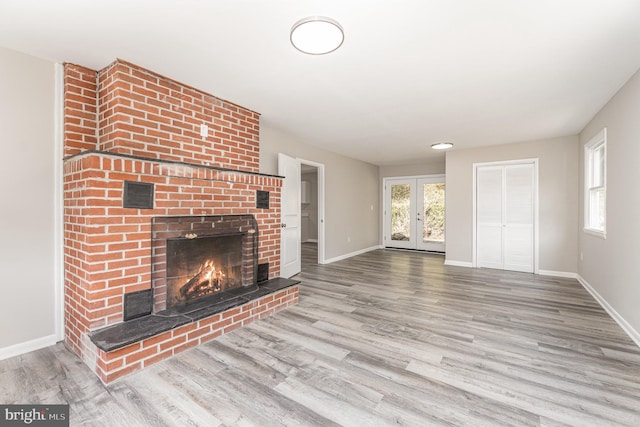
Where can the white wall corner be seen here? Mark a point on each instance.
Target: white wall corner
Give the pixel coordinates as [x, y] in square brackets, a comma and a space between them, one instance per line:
[58, 251]
[626, 327]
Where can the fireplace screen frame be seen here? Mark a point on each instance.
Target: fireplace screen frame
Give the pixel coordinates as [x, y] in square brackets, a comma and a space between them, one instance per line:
[193, 227]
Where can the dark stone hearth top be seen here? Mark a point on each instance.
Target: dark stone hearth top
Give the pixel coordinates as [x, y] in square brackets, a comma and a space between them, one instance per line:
[173, 162]
[135, 330]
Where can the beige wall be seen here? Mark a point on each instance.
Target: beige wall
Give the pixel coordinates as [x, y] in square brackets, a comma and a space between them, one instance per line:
[27, 187]
[611, 266]
[558, 199]
[352, 201]
[436, 167]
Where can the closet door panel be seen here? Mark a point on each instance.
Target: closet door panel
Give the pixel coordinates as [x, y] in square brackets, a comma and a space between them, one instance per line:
[489, 196]
[519, 194]
[505, 209]
[489, 251]
[518, 218]
[518, 248]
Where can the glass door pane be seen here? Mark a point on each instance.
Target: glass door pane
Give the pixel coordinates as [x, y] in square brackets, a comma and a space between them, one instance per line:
[400, 219]
[401, 212]
[431, 193]
[433, 208]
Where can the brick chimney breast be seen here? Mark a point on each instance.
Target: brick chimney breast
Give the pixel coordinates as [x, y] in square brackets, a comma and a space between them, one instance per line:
[127, 124]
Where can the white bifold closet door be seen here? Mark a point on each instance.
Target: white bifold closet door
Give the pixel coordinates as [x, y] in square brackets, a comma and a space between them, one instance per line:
[505, 217]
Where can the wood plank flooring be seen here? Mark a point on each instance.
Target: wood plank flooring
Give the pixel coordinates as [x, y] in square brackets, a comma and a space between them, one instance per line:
[384, 338]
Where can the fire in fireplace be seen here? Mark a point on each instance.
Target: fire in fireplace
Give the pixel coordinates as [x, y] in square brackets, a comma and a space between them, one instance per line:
[202, 266]
[200, 256]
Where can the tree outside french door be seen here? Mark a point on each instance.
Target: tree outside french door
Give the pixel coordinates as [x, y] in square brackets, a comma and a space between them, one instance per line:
[400, 212]
[433, 209]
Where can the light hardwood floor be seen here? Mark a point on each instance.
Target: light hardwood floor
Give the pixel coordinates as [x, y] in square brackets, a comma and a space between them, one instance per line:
[384, 338]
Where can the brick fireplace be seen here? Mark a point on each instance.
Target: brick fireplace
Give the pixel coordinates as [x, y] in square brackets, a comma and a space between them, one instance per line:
[195, 156]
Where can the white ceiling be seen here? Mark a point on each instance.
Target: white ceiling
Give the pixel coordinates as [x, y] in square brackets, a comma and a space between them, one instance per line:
[410, 72]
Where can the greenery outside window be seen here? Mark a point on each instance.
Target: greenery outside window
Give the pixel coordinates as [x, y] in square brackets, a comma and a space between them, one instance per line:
[595, 198]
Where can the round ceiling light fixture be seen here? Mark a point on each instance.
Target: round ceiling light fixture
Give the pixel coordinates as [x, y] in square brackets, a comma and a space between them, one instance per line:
[442, 145]
[317, 35]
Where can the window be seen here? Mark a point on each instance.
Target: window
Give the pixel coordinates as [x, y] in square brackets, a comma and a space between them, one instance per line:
[595, 198]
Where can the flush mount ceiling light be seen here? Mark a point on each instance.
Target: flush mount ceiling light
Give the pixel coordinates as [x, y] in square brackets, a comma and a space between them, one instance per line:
[317, 35]
[442, 145]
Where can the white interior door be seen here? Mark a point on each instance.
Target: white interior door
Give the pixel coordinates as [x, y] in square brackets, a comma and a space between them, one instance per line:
[290, 250]
[489, 203]
[518, 218]
[505, 206]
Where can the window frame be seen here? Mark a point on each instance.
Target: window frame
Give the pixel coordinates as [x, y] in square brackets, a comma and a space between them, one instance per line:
[591, 148]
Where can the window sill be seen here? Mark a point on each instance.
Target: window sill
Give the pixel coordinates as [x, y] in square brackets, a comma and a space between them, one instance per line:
[597, 233]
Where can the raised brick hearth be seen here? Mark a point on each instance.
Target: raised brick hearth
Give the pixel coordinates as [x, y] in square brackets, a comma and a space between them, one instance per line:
[127, 124]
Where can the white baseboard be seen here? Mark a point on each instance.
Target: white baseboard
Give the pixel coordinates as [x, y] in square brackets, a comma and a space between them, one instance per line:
[552, 273]
[633, 334]
[311, 241]
[349, 255]
[26, 347]
[457, 263]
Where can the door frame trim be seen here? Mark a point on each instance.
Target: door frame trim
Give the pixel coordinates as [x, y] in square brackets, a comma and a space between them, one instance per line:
[321, 190]
[536, 218]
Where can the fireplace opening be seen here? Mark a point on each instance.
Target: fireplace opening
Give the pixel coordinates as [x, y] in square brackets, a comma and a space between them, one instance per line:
[203, 266]
[196, 259]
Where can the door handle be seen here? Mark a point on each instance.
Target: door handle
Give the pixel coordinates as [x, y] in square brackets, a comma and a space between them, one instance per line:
[283, 225]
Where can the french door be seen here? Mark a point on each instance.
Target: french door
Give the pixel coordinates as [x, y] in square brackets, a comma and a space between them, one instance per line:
[505, 216]
[414, 213]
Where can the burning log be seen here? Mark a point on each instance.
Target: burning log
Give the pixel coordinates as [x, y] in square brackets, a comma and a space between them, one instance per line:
[207, 281]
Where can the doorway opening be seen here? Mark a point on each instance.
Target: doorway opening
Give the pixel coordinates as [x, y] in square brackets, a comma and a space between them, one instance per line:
[294, 189]
[414, 213]
[309, 214]
[312, 212]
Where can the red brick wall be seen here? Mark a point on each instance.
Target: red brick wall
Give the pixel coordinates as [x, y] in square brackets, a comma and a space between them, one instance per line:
[123, 111]
[80, 109]
[108, 247]
[144, 114]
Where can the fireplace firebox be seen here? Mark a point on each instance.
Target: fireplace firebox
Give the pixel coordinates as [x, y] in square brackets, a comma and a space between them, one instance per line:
[196, 257]
[202, 266]
[205, 281]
